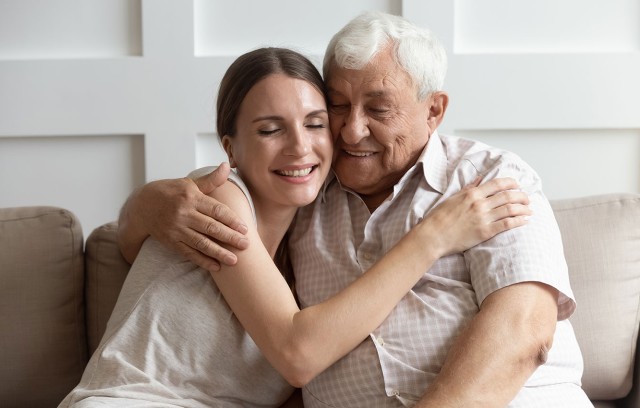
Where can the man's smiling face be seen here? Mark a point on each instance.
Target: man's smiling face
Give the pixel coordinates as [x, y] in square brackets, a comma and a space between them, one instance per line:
[378, 124]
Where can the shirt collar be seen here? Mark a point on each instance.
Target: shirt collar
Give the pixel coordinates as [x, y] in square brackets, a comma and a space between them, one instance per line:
[323, 191]
[432, 161]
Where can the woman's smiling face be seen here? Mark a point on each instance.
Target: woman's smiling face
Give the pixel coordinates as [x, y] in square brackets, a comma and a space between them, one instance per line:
[282, 148]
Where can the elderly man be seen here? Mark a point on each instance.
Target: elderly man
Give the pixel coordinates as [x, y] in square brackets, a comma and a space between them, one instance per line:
[484, 328]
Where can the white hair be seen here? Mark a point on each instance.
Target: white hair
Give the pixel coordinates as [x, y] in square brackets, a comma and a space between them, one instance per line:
[418, 51]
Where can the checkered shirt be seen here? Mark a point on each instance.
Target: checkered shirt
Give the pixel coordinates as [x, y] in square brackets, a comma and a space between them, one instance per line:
[336, 239]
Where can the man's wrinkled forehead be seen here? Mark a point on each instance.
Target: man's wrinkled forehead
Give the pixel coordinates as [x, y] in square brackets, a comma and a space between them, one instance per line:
[372, 81]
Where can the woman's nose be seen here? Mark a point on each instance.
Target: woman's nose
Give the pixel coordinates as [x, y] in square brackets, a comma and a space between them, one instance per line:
[298, 142]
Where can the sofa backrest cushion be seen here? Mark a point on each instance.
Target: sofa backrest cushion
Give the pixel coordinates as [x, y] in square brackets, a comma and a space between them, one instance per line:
[601, 238]
[43, 346]
[106, 272]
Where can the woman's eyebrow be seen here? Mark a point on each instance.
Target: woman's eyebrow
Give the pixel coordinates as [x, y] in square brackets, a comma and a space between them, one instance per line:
[271, 117]
[317, 112]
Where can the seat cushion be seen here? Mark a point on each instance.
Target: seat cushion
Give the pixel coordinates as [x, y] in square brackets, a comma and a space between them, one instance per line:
[601, 238]
[43, 346]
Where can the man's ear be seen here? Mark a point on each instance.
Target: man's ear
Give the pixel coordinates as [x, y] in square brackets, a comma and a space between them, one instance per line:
[438, 102]
[227, 145]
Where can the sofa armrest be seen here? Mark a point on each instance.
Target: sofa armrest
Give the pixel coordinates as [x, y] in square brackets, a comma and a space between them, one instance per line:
[633, 399]
[43, 346]
[601, 238]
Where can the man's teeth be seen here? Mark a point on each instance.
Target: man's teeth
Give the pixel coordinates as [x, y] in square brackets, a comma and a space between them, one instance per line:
[295, 173]
[359, 154]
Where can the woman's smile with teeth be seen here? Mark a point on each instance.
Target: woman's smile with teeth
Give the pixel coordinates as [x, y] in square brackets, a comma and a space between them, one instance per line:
[295, 173]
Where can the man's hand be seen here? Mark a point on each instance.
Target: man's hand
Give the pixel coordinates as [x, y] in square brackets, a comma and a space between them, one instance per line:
[181, 216]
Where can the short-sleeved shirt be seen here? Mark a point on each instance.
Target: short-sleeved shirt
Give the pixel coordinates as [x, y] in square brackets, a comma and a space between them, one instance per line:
[173, 341]
[336, 239]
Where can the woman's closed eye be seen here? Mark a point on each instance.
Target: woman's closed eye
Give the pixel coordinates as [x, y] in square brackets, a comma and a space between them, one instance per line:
[320, 125]
[268, 131]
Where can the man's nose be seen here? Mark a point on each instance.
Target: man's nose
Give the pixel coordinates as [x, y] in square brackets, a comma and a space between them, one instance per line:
[298, 142]
[356, 126]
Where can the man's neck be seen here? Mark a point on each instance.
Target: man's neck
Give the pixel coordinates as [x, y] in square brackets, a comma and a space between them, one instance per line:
[373, 201]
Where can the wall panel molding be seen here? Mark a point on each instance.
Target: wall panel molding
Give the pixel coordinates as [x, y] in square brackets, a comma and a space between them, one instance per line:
[546, 26]
[64, 29]
[91, 175]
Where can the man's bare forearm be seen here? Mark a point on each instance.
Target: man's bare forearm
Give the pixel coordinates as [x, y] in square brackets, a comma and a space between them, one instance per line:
[131, 232]
[498, 351]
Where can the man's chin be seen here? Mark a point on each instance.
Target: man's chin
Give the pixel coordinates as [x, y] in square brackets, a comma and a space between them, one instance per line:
[354, 182]
[350, 168]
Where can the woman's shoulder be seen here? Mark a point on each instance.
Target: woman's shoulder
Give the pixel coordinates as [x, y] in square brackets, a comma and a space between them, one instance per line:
[227, 194]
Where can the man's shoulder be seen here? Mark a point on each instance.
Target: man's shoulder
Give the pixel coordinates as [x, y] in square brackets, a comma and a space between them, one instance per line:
[482, 157]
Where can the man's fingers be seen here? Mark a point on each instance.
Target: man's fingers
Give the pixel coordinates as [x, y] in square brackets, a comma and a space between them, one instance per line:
[220, 213]
[197, 258]
[204, 228]
[216, 178]
[209, 248]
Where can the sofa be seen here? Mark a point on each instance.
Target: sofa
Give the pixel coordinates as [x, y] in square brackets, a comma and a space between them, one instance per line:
[57, 292]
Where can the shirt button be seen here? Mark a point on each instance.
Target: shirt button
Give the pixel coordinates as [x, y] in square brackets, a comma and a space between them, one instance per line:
[381, 341]
[367, 256]
[395, 393]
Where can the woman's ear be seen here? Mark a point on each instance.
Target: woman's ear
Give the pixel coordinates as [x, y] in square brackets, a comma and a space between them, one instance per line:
[438, 102]
[227, 145]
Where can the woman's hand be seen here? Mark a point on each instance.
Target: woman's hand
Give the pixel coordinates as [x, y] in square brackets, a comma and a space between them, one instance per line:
[475, 214]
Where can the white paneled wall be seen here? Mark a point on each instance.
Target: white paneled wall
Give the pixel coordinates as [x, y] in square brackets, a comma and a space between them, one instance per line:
[555, 82]
[99, 96]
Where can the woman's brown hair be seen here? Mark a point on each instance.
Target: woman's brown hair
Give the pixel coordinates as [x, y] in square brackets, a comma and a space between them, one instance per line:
[248, 70]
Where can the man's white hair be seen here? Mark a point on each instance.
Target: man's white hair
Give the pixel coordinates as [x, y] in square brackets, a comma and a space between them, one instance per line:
[417, 50]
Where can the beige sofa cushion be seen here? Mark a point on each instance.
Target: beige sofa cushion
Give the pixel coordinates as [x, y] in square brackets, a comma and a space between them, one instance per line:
[601, 237]
[106, 272]
[42, 343]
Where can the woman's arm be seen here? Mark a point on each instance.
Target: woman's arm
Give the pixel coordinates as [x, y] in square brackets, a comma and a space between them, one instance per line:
[302, 343]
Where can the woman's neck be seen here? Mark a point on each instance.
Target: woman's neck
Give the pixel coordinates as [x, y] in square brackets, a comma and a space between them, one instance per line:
[273, 223]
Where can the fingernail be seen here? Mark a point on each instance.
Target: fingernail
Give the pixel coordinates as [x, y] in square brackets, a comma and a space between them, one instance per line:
[230, 259]
[243, 243]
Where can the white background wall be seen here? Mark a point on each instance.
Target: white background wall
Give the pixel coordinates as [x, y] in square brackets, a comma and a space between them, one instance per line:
[99, 96]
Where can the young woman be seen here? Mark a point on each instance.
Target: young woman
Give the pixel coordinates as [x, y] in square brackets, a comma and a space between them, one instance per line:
[177, 337]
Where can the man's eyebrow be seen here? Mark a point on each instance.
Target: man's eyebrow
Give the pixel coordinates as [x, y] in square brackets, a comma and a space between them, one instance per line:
[370, 94]
[376, 94]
